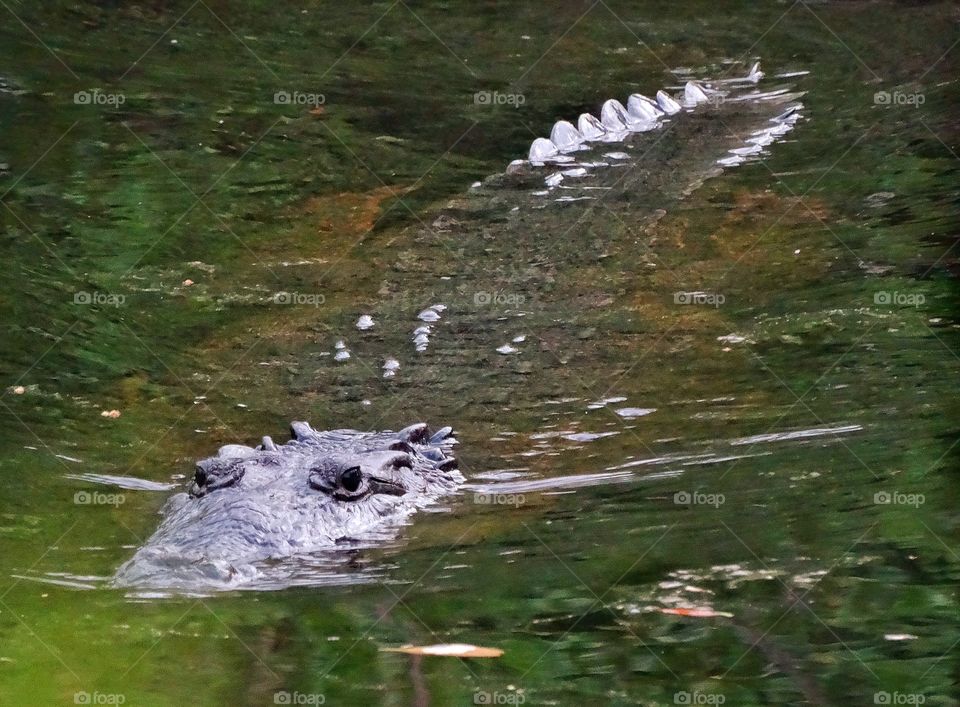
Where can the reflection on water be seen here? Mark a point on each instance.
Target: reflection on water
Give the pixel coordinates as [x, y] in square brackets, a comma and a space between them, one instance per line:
[707, 417]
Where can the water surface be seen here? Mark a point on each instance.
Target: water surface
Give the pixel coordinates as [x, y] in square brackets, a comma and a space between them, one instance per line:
[748, 496]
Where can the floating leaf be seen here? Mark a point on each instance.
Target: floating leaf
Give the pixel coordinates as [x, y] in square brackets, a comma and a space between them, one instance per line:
[697, 613]
[450, 650]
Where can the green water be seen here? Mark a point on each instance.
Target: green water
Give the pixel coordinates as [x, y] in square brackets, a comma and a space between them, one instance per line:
[834, 257]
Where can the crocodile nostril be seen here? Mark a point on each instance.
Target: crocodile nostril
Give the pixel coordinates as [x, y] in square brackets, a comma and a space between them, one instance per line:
[401, 460]
[418, 433]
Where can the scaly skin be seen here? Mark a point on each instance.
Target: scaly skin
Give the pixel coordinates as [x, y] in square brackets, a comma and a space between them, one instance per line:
[250, 505]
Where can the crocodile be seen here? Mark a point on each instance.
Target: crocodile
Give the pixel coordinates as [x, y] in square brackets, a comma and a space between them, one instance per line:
[250, 511]
[248, 507]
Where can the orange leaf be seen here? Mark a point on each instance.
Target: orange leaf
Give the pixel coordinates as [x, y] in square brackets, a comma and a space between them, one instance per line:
[704, 613]
[450, 650]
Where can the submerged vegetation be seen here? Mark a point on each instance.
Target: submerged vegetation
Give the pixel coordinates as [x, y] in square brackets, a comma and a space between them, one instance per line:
[708, 424]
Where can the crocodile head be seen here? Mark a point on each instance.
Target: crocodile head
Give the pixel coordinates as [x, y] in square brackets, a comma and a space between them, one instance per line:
[247, 505]
[347, 467]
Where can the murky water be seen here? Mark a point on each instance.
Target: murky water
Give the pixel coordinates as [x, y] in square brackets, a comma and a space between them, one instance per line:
[708, 420]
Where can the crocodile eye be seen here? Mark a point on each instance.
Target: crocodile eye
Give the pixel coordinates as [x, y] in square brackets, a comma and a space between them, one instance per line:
[350, 479]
